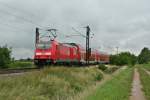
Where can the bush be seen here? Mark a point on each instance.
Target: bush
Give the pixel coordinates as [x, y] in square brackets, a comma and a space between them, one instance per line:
[102, 67]
[124, 58]
[5, 56]
[111, 70]
[107, 69]
[98, 77]
[144, 56]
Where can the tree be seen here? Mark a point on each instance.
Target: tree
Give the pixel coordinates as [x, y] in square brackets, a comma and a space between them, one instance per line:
[124, 58]
[144, 56]
[5, 56]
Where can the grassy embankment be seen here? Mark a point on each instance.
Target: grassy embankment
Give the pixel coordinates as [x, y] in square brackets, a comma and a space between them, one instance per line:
[116, 89]
[54, 83]
[146, 66]
[21, 64]
[18, 65]
[109, 69]
[145, 79]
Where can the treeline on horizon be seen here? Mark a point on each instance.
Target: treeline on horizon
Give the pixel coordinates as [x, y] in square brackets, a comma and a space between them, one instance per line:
[123, 58]
[127, 58]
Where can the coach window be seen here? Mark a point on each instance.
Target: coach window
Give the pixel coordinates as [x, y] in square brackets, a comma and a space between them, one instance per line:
[68, 52]
[44, 45]
[74, 52]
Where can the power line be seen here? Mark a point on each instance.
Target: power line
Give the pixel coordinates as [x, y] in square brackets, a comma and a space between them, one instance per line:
[82, 34]
[15, 31]
[61, 33]
[78, 32]
[20, 10]
[12, 7]
[20, 17]
[14, 27]
[67, 36]
[25, 19]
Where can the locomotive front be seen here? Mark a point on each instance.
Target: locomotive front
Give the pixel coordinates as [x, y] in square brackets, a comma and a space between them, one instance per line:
[45, 48]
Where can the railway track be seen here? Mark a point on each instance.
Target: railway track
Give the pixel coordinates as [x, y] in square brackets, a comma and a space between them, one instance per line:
[13, 71]
[18, 71]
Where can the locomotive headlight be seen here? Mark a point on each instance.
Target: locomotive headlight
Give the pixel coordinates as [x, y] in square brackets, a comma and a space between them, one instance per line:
[48, 53]
[38, 53]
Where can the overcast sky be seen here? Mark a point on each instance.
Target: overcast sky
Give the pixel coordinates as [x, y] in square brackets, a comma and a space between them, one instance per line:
[115, 23]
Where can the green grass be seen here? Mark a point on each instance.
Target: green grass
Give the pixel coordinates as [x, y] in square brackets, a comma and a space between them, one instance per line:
[116, 89]
[108, 70]
[21, 64]
[146, 66]
[145, 79]
[102, 67]
[111, 69]
[54, 83]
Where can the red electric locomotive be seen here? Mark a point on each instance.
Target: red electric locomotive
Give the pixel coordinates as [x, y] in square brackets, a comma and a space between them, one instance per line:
[53, 52]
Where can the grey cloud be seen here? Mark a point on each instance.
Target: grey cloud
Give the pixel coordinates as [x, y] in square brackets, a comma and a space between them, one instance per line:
[122, 23]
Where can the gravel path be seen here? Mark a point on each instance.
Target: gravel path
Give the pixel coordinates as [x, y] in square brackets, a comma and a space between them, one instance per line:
[137, 93]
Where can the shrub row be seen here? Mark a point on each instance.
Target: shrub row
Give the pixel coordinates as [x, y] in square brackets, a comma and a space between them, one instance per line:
[107, 70]
[111, 70]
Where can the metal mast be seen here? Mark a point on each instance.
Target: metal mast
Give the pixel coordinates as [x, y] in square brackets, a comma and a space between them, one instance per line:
[37, 36]
[87, 44]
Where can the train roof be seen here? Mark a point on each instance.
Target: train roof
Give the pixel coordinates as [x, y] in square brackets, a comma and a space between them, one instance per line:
[69, 44]
[80, 46]
[72, 44]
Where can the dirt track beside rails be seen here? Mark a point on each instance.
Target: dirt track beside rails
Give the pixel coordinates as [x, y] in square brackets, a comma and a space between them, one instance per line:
[14, 72]
[137, 93]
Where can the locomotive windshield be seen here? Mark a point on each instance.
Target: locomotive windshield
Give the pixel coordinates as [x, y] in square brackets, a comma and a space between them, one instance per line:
[44, 45]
